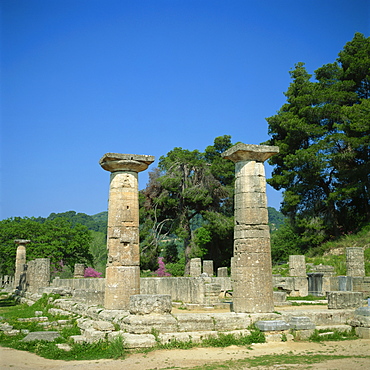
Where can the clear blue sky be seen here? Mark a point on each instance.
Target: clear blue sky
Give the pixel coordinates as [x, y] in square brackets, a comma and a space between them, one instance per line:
[83, 78]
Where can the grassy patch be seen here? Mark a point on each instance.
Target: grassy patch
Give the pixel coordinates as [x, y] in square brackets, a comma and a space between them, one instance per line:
[307, 298]
[11, 312]
[273, 361]
[335, 335]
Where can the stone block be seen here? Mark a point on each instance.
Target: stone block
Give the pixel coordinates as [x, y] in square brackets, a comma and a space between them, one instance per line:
[363, 311]
[208, 267]
[138, 341]
[230, 321]
[143, 324]
[297, 265]
[103, 325]
[301, 323]
[92, 336]
[279, 297]
[194, 322]
[342, 300]
[273, 325]
[303, 334]
[48, 336]
[144, 304]
[363, 333]
[195, 267]
[222, 272]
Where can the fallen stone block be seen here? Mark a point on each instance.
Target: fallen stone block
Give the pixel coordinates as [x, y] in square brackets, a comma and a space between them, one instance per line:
[113, 315]
[58, 312]
[341, 300]
[103, 325]
[64, 346]
[301, 323]
[363, 333]
[191, 322]
[303, 334]
[230, 321]
[195, 337]
[93, 335]
[48, 336]
[272, 325]
[78, 338]
[138, 341]
[363, 311]
[144, 304]
[143, 324]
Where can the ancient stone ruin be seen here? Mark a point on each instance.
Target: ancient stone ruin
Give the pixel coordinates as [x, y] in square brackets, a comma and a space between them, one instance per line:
[123, 265]
[252, 286]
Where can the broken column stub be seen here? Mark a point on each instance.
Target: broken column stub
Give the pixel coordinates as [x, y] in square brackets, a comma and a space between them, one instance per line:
[252, 287]
[20, 260]
[123, 265]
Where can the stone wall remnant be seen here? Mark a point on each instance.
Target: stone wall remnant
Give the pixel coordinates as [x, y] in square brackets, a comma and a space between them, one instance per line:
[123, 265]
[252, 285]
[222, 272]
[208, 267]
[20, 260]
[297, 265]
[38, 274]
[195, 267]
[79, 270]
[355, 261]
[344, 300]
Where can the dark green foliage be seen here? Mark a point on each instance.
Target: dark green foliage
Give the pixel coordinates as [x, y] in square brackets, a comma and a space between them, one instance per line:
[56, 239]
[186, 186]
[323, 133]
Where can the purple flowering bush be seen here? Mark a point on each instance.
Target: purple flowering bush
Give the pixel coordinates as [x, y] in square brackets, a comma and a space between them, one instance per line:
[90, 272]
[161, 271]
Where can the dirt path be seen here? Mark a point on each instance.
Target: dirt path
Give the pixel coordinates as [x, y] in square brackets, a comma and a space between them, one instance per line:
[182, 359]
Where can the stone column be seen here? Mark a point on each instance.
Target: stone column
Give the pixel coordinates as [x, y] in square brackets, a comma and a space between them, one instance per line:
[123, 265]
[20, 260]
[79, 270]
[195, 267]
[355, 261]
[252, 286]
[208, 267]
[297, 265]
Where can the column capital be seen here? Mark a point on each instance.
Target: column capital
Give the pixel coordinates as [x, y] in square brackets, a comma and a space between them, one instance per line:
[249, 152]
[114, 162]
[22, 241]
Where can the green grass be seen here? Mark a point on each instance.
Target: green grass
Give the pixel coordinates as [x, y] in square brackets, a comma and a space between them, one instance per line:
[336, 335]
[274, 360]
[10, 312]
[307, 298]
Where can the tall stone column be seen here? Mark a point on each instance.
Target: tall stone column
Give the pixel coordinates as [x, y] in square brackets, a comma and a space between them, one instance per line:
[123, 265]
[252, 286]
[20, 260]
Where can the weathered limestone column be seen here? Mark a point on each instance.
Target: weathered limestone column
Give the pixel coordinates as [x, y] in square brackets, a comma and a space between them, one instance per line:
[20, 260]
[123, 265]
[195, 267]
[208, 267]
[355, 261]
[297, 265]
[79, 270]
[252, 286]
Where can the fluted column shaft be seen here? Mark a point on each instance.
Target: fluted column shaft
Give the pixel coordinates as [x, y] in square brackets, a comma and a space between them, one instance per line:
[252, 285]
[123, 265]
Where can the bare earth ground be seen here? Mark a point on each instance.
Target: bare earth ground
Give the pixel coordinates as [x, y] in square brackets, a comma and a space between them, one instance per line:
[182, 359]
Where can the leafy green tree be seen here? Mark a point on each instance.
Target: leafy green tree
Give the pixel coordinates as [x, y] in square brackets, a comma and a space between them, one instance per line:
[187, 185]
[56, 239]
[323, 135]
